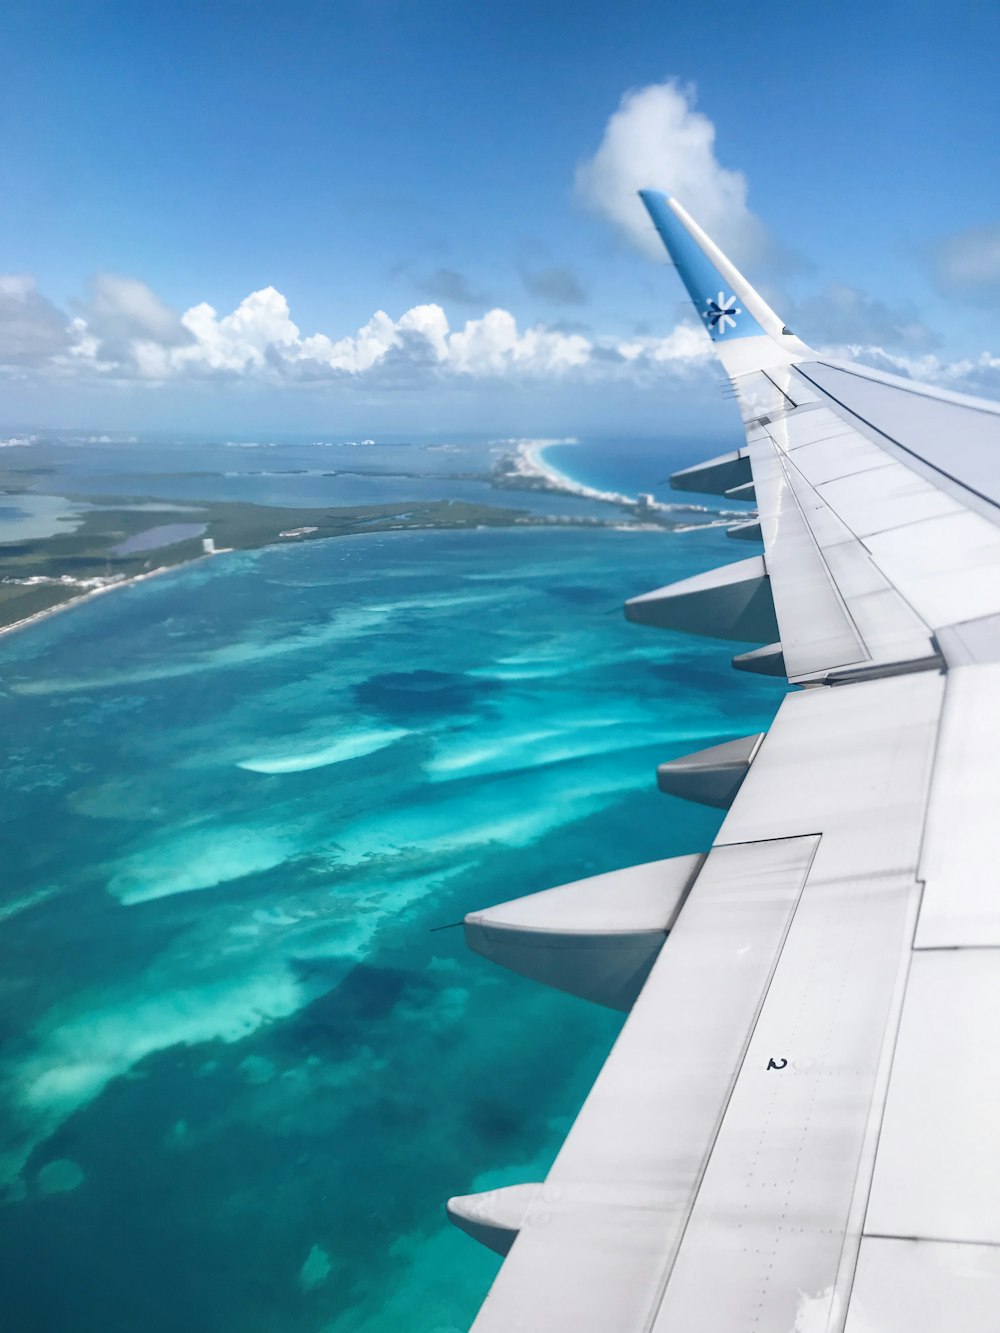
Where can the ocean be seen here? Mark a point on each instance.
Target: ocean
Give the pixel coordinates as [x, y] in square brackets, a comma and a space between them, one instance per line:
[632, 467]
[246, 1054]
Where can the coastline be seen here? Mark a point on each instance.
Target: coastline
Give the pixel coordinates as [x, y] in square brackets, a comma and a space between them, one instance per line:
[448, 521]
[242, 526]
[532, 452]
[529, 469]
[38, 616]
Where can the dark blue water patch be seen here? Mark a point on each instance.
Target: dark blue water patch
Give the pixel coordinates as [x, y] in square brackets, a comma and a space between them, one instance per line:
[416, 695]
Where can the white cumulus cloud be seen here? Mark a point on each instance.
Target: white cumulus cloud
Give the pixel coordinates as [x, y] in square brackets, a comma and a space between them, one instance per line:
[657, 140]
[491, 345]
[128, 334]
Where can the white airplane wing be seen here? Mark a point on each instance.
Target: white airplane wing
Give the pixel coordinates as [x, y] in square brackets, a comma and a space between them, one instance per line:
[798, 1129]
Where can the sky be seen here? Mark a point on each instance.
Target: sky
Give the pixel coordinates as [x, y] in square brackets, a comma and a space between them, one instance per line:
[345, 216]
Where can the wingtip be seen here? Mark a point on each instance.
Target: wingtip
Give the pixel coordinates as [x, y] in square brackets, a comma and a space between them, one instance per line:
[705, 271]
[653, 197]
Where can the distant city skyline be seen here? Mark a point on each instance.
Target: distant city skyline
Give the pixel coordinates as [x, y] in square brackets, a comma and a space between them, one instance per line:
[375, 218]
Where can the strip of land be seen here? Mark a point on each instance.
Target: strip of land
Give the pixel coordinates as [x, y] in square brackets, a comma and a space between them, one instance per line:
[46, 574]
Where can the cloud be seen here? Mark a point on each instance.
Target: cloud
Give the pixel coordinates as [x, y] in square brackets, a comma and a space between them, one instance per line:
[126, 334]
[968, 264]
[843, 314]
[122, 308]
[136, 339]
[656, 140]
[560, 286]
[977, 375]
[491, 345]
[31, 328]
[449, 285]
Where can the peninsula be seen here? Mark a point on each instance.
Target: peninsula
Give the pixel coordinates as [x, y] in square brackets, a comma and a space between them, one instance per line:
[118, 539]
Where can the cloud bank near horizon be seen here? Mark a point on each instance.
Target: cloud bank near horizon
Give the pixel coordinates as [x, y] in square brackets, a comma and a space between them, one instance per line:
[125, 333]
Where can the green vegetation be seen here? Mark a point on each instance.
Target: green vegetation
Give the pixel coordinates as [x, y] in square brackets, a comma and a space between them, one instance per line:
[86, 553]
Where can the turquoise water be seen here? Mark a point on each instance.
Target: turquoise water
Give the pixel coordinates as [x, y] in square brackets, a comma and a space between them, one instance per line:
[241, 1070]
[631, 467]
[637, 466]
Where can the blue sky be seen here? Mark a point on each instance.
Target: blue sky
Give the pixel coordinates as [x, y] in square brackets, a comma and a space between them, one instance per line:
[382, 156]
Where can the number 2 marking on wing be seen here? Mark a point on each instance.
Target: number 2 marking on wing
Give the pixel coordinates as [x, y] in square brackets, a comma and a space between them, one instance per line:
[776, 1064]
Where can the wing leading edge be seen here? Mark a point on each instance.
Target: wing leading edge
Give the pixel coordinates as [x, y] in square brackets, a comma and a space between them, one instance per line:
[796, 1129]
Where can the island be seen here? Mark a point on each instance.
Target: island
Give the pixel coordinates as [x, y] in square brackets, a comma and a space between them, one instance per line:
[112, 540]
[124, 538]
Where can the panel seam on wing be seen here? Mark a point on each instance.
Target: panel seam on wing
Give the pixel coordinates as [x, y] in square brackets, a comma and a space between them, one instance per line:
[817, 838]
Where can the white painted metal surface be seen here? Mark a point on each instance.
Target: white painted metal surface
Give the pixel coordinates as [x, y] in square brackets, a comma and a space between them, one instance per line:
[854, 761]
[919, 1286]
[597, 1245]
[774, 1208]
[843, 774]
[759, 396]
[792, 385]
[802, 429]
[882, 499]
[842, 454]
[820, 496]
[960, 865]
[948, 568]
[816, 629]
[937, 1174]
[953, 433]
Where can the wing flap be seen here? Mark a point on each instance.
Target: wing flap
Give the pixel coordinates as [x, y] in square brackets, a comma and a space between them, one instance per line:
[835, 608]
[596, 1245]
[775, 1205]
[815, 626]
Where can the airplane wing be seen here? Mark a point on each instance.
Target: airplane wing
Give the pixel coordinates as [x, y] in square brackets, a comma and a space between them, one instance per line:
[798, 1128]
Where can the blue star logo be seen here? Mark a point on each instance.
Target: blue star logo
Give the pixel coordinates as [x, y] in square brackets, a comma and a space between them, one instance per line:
[721, 312]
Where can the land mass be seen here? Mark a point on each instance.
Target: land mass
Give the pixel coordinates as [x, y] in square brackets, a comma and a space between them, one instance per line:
[93, 554]
[114, 539]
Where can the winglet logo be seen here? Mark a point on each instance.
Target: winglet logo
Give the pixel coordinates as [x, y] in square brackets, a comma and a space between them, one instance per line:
[721, 313]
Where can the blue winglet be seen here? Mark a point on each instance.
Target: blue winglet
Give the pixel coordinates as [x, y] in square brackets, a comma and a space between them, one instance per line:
[722, 312]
